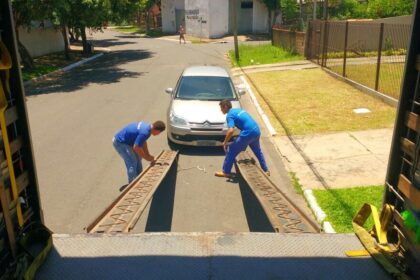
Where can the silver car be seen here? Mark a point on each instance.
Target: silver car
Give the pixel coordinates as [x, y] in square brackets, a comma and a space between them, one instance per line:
[194, 116]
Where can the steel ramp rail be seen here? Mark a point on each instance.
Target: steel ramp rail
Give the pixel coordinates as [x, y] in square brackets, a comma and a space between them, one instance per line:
[123, 213]
[282, 213]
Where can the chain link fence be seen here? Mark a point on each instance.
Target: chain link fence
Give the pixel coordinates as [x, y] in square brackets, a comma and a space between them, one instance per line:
[370, 53]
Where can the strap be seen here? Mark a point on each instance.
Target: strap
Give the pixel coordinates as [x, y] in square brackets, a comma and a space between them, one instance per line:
[376, 241]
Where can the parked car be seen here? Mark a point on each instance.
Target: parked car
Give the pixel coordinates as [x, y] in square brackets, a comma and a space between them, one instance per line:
[194, 116]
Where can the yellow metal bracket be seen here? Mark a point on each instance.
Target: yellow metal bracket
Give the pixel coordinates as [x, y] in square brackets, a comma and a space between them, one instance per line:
[376, 241]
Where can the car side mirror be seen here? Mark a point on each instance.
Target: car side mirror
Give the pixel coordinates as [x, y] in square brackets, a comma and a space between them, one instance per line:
[241, 91]
[169, 90]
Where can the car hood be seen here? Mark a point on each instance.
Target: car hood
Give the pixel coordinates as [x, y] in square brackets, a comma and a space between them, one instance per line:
[199, 111]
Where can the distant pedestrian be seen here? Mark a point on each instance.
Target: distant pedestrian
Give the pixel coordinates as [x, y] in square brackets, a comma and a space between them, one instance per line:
[249, 136]
[131, 144]
[181, 32]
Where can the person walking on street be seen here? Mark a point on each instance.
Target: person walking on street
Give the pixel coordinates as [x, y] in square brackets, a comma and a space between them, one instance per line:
[181, 32]
[249, 136]
[131, 144]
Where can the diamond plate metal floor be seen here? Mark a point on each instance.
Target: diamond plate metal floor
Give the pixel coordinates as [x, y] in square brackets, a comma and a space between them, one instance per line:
[207, 256]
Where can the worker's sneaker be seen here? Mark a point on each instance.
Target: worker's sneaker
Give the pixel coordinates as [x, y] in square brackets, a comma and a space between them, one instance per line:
[267, 173]
[222, 174]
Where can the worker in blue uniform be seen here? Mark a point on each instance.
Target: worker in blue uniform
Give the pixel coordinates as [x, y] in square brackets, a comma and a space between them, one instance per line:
[131, 144]
[249, 136]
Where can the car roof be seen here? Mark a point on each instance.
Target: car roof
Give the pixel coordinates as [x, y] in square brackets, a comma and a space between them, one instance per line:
[204, 70]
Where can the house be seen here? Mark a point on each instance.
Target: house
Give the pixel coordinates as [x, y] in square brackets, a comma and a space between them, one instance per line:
[213, 18]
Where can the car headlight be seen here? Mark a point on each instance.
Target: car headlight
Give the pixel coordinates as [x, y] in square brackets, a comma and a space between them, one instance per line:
[176, 120]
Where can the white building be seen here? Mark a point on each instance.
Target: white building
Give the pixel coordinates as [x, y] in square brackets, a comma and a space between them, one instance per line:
[213, 18]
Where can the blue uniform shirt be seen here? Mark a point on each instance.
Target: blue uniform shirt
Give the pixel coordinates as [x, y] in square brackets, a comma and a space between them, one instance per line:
[242, 120]
[134, 133]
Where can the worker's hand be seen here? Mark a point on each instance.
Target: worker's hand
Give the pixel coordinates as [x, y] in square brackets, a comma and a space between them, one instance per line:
[225, 145]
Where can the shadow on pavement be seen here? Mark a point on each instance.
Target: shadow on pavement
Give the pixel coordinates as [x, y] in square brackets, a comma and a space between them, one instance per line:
[129, 36]
[103, 70]
[199, 151]
[162, 205]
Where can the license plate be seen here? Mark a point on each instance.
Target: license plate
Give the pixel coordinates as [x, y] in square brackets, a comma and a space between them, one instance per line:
[206, 143]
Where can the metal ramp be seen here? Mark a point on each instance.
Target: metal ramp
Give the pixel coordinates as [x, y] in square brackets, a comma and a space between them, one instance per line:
[207, 256]
[123, 213]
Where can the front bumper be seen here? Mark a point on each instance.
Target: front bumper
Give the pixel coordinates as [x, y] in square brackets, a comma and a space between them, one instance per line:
[197, 137]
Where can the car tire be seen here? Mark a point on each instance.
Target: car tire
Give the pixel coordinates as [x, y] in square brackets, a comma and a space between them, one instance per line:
[173, 146]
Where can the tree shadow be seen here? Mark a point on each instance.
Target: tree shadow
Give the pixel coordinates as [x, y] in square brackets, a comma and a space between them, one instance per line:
[103, 70]
[199, 151]
[104, 43]
[130, 36]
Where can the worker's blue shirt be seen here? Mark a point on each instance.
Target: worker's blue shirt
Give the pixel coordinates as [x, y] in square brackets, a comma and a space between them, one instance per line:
[134, 133]
[242, 120]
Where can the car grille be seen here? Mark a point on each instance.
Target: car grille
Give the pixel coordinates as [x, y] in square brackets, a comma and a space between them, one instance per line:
[190, 138]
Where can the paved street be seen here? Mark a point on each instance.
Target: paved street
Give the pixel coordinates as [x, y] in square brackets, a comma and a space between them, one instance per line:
[74, 118]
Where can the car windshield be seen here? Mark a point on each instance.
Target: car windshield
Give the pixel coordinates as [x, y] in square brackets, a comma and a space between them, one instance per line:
[205, 88]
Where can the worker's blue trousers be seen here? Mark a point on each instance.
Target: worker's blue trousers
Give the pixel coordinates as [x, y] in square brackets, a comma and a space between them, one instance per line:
[131, 159]
[240, 145]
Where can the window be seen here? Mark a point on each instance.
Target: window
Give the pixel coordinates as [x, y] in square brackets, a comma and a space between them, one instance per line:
[247, 4]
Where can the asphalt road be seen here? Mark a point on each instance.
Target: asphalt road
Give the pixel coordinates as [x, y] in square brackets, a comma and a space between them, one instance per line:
[74, 117]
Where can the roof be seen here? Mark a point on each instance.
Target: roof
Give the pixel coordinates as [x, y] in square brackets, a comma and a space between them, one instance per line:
[205, 71]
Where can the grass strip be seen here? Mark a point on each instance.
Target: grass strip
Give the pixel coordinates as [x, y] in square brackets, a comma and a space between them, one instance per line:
[49, 63]
[261, 54]
[341, 205]
[311, 101]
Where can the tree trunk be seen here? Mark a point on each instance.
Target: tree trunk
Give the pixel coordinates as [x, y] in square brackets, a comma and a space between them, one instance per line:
[270, 24]
[86, 49]
[147, 22]
[66, 42]
[25, 56]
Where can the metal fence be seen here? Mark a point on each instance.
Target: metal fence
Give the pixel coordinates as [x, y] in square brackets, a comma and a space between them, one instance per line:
[370, 53]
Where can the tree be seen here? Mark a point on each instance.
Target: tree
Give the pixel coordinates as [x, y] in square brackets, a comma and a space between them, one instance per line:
[274, 10]
[389, 8]
[24, 13]
[88, 14]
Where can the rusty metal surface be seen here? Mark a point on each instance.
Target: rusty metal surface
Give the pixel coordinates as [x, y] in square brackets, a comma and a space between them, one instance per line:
[123, 213]
[283, 214]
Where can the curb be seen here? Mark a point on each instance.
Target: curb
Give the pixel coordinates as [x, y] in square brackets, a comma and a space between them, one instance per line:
[257, 106]
[64, 69]
[318, 212]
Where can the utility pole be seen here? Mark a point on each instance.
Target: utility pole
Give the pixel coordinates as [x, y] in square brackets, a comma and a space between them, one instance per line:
[235, 30]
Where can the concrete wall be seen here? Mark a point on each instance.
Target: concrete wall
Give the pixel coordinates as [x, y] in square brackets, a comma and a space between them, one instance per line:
[259, 18]
[41, 40]
[219, 18]
[197, 20]
[168, 7]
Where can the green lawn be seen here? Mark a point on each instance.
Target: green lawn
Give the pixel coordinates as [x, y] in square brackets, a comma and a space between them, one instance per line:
[390, 76]
[341, 205]
[311, 101]
[261, 54]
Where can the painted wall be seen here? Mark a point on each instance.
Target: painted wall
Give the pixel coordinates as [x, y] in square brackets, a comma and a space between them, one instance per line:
[259, 18]
[219, 18]
[197, 19]
[168, 9]
[41, 40]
